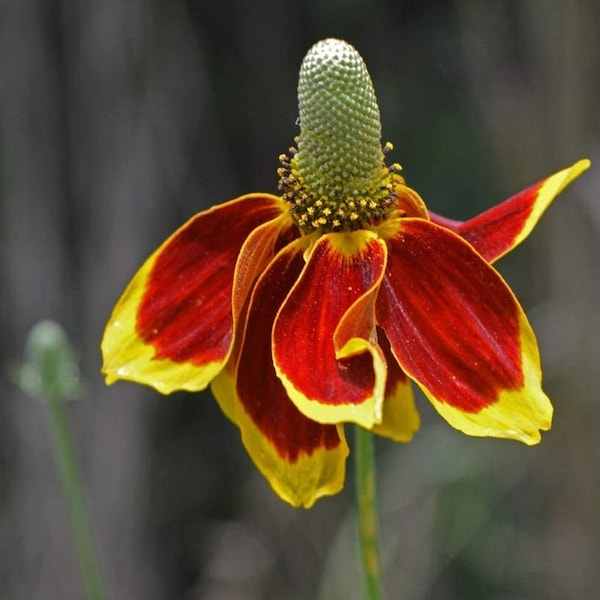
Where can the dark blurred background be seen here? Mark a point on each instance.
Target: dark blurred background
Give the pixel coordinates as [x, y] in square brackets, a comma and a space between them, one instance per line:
[119, 119]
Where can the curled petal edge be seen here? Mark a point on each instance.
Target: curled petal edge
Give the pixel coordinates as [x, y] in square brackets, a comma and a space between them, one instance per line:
[353, 339]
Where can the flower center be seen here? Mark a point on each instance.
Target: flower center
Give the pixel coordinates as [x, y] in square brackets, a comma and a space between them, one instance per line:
[337, 179]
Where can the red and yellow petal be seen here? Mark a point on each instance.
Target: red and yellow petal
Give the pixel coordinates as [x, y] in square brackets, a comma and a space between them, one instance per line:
[332, 368]
[258, 249]
[302, 460]
[498, 230]
[172, 328]
[401, 419]
[456, 328]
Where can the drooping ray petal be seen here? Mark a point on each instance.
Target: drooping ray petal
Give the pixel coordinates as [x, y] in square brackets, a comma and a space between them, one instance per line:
[303, 460]
[256, 253]
[311, 476]
[172, 328]
[258, 249]
[498, 230]
[457, 330]
[333, 376]
[401, 419]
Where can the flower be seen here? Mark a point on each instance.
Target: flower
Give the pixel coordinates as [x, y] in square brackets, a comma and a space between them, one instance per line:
[320, 306]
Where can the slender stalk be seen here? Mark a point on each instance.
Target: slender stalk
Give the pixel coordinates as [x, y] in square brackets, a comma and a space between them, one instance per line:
[50, 373]
[367, 512]
[73, 492]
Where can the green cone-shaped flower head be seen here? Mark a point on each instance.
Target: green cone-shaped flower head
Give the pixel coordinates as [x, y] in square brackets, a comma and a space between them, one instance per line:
[337, 179]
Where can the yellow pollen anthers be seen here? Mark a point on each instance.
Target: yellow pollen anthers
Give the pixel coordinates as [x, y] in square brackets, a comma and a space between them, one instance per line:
[337, 179]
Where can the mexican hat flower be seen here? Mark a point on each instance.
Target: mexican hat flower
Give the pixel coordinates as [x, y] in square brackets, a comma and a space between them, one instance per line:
[324, 304]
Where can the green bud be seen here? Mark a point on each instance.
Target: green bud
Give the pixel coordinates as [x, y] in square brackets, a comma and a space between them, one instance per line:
[50, 369]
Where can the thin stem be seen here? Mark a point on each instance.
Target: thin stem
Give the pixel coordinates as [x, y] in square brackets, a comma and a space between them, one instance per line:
[73, 491]
[367, 512]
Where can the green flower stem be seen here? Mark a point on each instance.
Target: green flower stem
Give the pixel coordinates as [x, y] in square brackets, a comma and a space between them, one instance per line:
[73, 491]
[50, 373]
[367, 512]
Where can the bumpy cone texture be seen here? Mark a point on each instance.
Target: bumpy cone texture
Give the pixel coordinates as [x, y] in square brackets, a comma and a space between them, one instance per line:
[339, 148]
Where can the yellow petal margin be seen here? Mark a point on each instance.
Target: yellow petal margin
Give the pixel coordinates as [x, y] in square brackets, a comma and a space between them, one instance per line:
[301, 482]
[126, 356]
[401, 419]
[547, 192]
[517, 414]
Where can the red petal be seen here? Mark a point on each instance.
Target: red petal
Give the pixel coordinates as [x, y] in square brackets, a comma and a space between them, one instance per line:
[499, 229]
[458, 331]
[302, 459]
[172, 328]
[333, 370]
